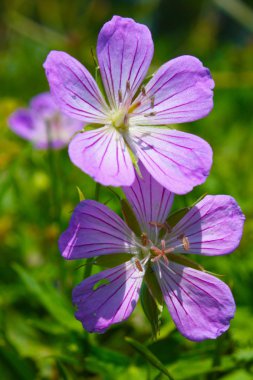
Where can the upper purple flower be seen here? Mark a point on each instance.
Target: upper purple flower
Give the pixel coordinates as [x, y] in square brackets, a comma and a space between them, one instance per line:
[43, 123]
[200, 304]
[126, 127]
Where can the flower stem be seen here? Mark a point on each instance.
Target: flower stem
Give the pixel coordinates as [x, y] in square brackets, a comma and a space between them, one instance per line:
[89, 262]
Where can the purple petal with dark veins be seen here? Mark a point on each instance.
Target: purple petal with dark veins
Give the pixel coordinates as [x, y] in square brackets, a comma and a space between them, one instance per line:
[95, 230]
[151, 202]
[113, 300]
[102, 153]
[213, 226]
[74, 89]
[125, 50]
[177, 160]
[180, 91]
[200, 305]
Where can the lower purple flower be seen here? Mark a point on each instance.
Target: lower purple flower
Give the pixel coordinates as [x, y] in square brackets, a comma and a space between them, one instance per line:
[43, 123]
[200, 304]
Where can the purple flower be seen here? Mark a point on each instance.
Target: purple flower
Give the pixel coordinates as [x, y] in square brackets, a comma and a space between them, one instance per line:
[43, 123]
[128, 126]
[200, 304]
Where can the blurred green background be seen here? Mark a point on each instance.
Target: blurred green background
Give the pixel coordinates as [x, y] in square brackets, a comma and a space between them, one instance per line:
[39, 337]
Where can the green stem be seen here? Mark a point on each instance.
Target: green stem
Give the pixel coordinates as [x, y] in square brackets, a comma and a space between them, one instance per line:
[55, 196]
[89, 262]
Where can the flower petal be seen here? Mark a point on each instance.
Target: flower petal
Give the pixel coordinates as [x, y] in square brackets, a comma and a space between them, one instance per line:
[44, 104]
[213, 227]
[21, 122]
[177, 160]
[95, 230]
[150, 201]
[180, 91]
[103, 155]
[74, 89]
[111, 302]
[125, 50]
[200, 305]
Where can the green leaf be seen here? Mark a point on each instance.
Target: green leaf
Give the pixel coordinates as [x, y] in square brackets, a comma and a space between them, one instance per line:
[130, 217]
[148, 355]
[50, 298]
[150, 309]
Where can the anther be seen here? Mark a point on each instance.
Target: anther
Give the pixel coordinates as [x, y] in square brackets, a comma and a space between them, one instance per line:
[185, 242]
[143, 91]
[152, 101]
[150, 114]
[128, 88]
[126, 119]
[120, 95]
[144, 239]
[138, 265]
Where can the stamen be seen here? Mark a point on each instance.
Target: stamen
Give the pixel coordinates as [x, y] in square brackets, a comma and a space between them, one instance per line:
[185, 242]
[138, 265]
[149, 114]
[134, 106]
[128, 88]
[161, 253]
[165, 226]
[152, 101]
[126, 119]
[143, 91]
[144, 239]
[120, 95]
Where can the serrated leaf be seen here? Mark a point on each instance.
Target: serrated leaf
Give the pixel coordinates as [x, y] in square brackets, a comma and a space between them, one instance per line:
[148, 355]
[130, 217]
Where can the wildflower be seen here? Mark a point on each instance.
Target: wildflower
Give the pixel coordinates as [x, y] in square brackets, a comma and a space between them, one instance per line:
[128, 127]
[43, 124]
[200, 304]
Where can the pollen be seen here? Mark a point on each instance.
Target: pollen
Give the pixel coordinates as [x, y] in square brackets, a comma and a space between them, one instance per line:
[144, 239]
[120, 95]
[185, 242]
[138, 265]
[152, 101]
[149, 114]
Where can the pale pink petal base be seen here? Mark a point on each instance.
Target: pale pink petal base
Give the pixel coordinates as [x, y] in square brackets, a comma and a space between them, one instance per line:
[103, 155]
